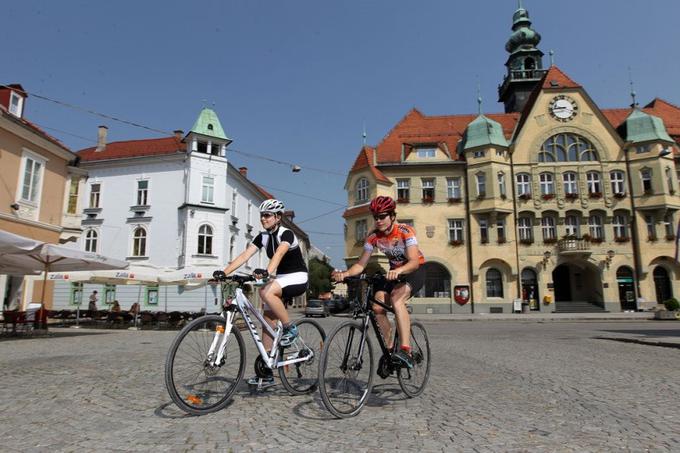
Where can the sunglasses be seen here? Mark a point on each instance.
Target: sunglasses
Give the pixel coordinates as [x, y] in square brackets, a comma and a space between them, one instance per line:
[266, 215]
[382, 216]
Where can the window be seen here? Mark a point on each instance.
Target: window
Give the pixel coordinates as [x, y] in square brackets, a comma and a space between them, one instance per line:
[651, 228]
[479, 153]
[95, 195]
[91, 241]
[426, 153]
[142, 193]
[668, 225]
[593, 182]
[481, 185]
[646, 177]
[500, 231]
[572, 225]
[428, 189]
[525, 229]
[501, 184]
[361, 230]
[249, 218]
[151, 295]
[547, 183]
[234, 197]
[453, 188]
[30, 186]
[548, 228]
[484, 230]
[76, 293]
[616, 179]
[403, 190]
[569, 183]
[523, 184]
[73, 195]
[456, 230]
[139, 242]
[202, 147]
[208, 192]
[232, 247]
[620, 226]
[362, 190]
[16, 104]
[669, 180]
[205, 238]
[494, 283]
[215, 149]
[640, 149]
[595, 227]
[567, 148]
[109, 294]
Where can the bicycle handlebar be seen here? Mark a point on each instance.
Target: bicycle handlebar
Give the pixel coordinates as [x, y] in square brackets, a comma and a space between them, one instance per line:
[220, 276]
[373, 278]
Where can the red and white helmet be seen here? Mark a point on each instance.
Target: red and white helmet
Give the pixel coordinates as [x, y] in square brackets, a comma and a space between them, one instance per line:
[382, 204]
[272, 205]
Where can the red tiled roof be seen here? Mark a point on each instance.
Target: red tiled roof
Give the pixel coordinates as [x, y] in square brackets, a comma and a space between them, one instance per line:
[555, 76]
[134, 148]
[34, 128]
[356, 211]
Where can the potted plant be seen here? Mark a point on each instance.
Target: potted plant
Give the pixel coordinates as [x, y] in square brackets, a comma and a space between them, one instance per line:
[548, 196]
[428, 199]
[526, 241]
[621, 239]
[620, 195]
[595, 240]
[501, 240]
[586, 237]
[455, 242]
[672, 310]
[454, 200]
[571, 195]
[652, 238]
[402, 200]
[670, 237]
[525, 196]
[595, 195]
[549, 240]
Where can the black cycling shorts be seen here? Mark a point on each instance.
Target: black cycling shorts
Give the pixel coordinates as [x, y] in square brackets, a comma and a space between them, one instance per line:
[415, 280]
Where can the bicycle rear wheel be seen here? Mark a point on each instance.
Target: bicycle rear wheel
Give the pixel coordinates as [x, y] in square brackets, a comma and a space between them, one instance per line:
[193, 384]
[346, 370]
[303, 377]
[412, 381]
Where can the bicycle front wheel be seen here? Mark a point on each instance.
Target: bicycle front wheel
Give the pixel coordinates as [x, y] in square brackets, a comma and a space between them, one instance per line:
[303, 377]
[196, 385]
[412, 381]
[346, 370]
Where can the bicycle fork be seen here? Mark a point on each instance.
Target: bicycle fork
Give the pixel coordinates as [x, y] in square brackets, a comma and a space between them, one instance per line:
[356, 366]
[220, 339]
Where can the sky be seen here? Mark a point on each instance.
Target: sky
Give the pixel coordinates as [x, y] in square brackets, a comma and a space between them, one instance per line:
[297, 81]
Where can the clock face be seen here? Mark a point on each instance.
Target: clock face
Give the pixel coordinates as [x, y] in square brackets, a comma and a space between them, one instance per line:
[563, 108]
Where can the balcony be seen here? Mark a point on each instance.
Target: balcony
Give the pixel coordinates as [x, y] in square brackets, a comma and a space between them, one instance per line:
[573, 247]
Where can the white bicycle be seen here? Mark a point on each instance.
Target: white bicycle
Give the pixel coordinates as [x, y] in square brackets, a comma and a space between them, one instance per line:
[206, 361]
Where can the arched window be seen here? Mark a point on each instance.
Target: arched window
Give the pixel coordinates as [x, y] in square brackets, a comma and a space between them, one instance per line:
[567, 148]
[91, 241]
[437, 281]
[139, 242]
[494, 283]
[205, 237]
[362, 190]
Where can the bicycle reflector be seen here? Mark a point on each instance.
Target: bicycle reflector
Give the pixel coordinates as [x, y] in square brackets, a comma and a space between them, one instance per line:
[194, 399]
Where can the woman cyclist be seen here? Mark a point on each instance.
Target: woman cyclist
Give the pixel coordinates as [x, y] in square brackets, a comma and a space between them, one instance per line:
[285, 260]
[398, 242]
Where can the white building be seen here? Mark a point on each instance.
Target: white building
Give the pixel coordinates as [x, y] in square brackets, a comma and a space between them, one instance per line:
[172, 202]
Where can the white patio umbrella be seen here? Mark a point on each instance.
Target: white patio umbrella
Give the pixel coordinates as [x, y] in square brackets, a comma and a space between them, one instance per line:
[192, 277]
[26, 255]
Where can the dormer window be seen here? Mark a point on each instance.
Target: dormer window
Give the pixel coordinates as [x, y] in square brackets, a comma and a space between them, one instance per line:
[210, 127]
[16, 104]
[426, 152]
[202, 147]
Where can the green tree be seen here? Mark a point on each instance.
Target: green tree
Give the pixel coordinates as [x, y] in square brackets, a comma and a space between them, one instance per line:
[319, 277]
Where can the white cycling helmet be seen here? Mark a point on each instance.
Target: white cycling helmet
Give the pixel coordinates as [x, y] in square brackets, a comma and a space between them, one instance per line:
[272, 205]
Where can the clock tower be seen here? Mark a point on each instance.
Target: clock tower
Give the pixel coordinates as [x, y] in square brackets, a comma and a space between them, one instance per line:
[524, 65]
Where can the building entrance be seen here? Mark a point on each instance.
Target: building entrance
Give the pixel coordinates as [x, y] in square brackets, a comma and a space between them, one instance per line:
[578, 282]
[625, 282]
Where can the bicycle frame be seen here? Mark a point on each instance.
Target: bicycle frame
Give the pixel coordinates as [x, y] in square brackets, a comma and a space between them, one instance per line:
[243, 306]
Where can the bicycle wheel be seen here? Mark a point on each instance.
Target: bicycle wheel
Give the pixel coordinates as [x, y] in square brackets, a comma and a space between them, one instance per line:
[412, 381]
[195, 386]
[303, 377]
[345, 375]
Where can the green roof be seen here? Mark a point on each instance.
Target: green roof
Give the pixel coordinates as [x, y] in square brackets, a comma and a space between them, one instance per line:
[643, 127]
[483, 131]
[209, 124]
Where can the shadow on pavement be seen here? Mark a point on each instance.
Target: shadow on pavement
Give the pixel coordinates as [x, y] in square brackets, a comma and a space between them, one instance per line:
[647, 332]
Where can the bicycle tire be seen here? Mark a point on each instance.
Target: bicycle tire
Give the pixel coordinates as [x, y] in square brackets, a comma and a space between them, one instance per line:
[303, 377]
[339, 377]
[413, 381]
[206, 390]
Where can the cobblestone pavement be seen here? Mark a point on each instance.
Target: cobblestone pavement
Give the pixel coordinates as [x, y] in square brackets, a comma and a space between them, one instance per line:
[495, 386]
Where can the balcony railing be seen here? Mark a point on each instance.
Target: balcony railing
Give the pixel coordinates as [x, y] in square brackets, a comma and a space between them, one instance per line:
[573, 246]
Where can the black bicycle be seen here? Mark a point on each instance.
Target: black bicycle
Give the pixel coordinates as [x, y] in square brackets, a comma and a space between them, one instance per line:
[347, 363]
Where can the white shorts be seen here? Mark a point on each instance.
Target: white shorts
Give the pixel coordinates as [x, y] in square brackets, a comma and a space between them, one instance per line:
[292, 285]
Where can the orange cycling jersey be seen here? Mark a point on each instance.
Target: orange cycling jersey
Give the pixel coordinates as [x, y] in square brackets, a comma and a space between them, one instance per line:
[394, 244]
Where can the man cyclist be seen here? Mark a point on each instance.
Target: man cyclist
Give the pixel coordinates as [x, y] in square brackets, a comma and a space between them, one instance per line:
[398, 242]
[285, 260]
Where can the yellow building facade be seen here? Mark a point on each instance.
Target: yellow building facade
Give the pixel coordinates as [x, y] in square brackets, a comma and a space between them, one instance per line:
[554, 205]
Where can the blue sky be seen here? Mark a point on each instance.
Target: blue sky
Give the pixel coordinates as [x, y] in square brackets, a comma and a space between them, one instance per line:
[296, 80]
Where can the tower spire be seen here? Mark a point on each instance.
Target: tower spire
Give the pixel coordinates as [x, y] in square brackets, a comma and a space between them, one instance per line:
[479, 99]
[632, 89]
[363, 134]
